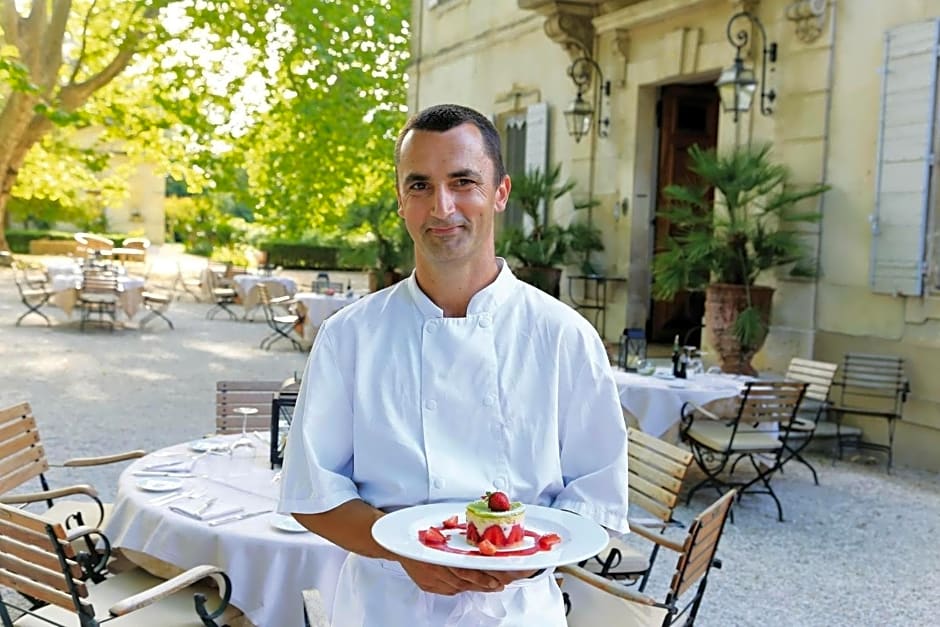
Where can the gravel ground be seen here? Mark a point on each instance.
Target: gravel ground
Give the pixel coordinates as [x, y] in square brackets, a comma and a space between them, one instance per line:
[857, 550]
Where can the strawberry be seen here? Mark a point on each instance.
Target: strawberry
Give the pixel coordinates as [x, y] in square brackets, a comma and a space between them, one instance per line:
[473, 536]
[434, 536]
[486, 548]
[495, 536]
[422, 536]
[498, 502]
[450, 523]
[547, 541]
[515, 535]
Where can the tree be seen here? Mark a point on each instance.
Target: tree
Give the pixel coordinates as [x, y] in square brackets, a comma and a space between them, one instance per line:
[302, 95]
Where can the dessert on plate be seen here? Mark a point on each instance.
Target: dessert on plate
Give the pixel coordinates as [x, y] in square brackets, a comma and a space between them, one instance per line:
[495, 518]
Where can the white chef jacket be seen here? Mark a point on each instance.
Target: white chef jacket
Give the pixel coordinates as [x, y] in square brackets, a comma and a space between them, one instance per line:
[400, 406]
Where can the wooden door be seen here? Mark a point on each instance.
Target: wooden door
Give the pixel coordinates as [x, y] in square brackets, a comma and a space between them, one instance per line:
[688, 115]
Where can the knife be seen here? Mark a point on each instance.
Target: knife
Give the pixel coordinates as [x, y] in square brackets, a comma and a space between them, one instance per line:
[155, 473]
[228, 519]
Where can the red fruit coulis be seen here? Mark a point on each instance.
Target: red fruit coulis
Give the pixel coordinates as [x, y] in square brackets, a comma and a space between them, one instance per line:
[532, 550]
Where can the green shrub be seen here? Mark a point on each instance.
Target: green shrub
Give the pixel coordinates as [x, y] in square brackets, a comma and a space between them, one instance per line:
[300, 254]
[19, 239]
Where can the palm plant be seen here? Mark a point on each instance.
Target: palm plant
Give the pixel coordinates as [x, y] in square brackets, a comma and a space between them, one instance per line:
[752, 229]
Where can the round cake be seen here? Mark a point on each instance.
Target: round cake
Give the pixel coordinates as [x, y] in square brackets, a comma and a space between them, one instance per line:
[504, 528]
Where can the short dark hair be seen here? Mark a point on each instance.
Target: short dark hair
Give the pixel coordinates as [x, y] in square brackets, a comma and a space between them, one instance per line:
[440, 118]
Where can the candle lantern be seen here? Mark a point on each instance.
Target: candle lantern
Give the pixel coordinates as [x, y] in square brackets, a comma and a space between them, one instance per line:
[632, 349]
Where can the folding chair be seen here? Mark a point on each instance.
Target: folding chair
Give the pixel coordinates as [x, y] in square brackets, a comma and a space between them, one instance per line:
[186, 285]
[656, 470]
[718, 445]
[818, 376]
[282, 326]
[39, 562]
[221, 296]
[256, 394]
[33, 292]
[23, 458]
[156, 304]
[592, 600]
[872, 386]
[99, 295]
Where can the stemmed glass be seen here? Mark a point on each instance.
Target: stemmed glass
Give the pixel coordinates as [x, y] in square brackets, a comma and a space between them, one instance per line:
[244, 440]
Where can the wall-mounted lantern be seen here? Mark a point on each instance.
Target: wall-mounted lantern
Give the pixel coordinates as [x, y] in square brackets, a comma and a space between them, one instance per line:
[738, 83]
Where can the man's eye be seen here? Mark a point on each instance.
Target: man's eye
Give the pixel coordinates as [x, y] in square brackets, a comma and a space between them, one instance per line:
[419, 186]
[464, 182]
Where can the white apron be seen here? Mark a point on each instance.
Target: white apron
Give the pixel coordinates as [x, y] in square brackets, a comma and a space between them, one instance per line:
[378, 593]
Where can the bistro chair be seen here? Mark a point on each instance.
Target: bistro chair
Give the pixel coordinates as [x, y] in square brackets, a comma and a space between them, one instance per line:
[33, 290]
[818, 376]
[718, 444]
[183, 285]
[156, 304]
[592, 600]
[284, 325]
[221, 296]
[256, 394]
[92, 245]
[23, 459]
[63, 586]
[99, 295]
[656, 470]
[871, 386]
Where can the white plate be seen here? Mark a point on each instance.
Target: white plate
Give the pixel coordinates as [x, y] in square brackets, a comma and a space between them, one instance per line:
[203, 446]
[159, 485]
[286, 523]
[581, 538]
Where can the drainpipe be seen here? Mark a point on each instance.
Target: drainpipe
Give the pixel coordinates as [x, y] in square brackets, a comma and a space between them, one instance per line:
[825, 171]
[416, 75]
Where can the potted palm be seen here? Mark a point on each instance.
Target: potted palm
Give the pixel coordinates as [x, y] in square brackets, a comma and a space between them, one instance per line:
[723, 251]
[543, 247]
[389, 240]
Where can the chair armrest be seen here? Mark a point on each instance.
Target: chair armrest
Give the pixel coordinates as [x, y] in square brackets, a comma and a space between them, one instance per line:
[656, 538]
[171, 586]
[611, 587]
[281, 300]
[33, 497]
[94, 562]
[698, 409]
[104, 459]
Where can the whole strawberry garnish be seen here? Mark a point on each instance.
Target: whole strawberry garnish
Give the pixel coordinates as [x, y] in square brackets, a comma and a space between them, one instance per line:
[498, 502]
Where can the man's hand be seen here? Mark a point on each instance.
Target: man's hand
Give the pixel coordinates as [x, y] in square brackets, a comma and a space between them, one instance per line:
[449, 581]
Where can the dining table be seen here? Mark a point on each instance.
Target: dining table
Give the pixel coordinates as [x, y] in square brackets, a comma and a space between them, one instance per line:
[246, 286]
[318, 307]
[65, 290]
[654, 401]
[205, 485]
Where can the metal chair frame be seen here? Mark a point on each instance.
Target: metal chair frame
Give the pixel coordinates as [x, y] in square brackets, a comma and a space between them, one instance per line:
[99, 295]
[33, 292]
[818, 376]
[222, 296]
[871, 386]
[156, 305]
[761, 402]
[281, 325]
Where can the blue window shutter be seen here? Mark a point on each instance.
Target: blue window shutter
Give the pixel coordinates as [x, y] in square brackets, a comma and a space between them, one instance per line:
[905, 158]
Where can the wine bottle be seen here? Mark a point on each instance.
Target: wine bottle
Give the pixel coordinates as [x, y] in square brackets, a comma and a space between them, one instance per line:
[675, 356]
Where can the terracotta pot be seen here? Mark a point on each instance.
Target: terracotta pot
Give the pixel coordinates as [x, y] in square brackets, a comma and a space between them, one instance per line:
[546, 279]
[723, 303]
[379, 280]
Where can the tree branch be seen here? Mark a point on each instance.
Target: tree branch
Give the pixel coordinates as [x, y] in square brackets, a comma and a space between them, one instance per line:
[81, 51]
[10, 22]
[50, 56]
[74, 95]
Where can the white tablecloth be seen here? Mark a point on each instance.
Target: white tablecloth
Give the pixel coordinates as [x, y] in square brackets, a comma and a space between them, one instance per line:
[268, 568]
[655, 401]
[65, 292]
[245, 285]
[62, 265]
[319, 307]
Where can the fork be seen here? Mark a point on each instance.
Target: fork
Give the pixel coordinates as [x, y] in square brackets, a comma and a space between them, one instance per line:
[187, 494]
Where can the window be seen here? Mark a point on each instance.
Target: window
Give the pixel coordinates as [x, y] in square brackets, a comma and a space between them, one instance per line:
[905, 221]
[524, 136]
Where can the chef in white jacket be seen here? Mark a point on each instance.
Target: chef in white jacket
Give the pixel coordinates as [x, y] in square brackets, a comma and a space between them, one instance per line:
[458, 380]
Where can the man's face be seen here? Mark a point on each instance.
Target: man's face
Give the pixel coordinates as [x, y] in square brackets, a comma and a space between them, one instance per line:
[447, 196]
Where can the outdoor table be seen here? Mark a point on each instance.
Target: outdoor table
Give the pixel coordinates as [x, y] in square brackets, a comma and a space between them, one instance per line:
[269, 568]
[656, 400]
[246, 288]
[60, 266]
[319, 307]
[65, 289]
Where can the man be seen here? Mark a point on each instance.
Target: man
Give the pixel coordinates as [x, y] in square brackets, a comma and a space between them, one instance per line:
[458, 380]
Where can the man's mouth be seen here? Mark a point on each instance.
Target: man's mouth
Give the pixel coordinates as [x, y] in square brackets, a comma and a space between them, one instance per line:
[444, 230]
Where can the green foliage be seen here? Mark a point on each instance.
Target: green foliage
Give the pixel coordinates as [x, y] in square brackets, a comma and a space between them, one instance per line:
[290, 254]
[199, 224]
[19, 239]
[751, 229]
[545, 244]
[382, 232]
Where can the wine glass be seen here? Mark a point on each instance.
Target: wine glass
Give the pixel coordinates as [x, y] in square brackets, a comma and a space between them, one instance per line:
[244, 440]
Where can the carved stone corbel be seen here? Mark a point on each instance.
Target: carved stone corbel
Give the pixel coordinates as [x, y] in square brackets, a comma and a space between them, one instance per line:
[574, 32]
[622, 42]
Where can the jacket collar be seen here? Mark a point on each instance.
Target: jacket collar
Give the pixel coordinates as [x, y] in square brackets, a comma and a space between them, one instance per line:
[486, 300]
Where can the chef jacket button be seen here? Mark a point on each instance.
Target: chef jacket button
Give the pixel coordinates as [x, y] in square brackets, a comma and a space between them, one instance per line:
[438, 483]
[431, 326]
[430, 404]
[485, 321]
[500, 483]
[489, 400]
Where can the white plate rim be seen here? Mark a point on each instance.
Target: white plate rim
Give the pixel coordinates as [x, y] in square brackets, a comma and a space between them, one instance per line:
[204, 446]
[286, 523]
[581, 537]
[159, 485]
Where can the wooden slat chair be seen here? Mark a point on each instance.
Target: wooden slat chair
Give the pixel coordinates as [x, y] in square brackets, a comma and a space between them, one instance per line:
[818, 376]
[183, 285]
[232, 394]
[33, 290]
[222, 296]
[718, 444]
[593, 600]
[23, 459]
[282, 325]
[156, 304]
[871, 386]
[99, 295]
[38, 560]
[656, 470]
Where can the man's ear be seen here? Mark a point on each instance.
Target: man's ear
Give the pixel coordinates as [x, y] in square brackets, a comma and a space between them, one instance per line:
[398, 196]
[502, 194]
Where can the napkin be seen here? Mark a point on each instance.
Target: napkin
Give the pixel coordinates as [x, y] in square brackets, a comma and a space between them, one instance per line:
[192, 510]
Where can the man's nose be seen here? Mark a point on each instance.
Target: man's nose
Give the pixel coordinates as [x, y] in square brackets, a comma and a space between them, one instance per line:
[443, 202]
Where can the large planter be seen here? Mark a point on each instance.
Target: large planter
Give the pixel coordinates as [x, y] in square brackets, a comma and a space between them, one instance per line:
[546, 279]
[723, 303]
[379, 280]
